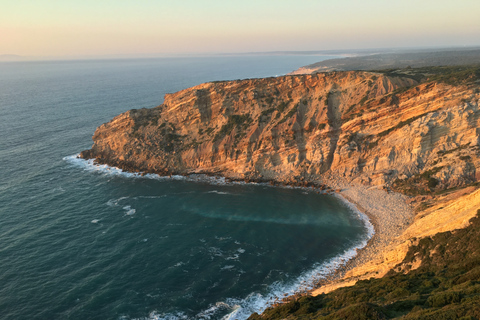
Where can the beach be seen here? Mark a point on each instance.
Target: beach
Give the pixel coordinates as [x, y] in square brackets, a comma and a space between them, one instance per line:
[390, 215]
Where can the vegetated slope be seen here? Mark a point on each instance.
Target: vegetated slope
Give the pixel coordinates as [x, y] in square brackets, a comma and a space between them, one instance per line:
[388, 60]
[446, 285]
[413, 129]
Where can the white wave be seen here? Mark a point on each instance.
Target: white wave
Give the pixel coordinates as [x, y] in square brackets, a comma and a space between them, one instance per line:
[154, 315]
[95, 221]
[208, 313]
[129, 211]
[227, 267]
[59, 189]
[90, 166]
[236, 256]
[223, 238]
[214, 251]
[218, 192]
[115, 202]
[179, 264]
[151, 197]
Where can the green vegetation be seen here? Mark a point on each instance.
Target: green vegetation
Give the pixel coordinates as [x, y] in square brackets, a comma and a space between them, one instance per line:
[321, 126]
[418, 184]
[445, 286]
[452, 75]
[327, 97]
[283, 105]
[290, 113]
[154, 120]
[364, 99]
[170, 141]
[239, 121]
[209, 130]
[265, 113]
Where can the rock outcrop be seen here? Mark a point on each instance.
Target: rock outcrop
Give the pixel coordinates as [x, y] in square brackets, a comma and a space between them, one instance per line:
[404, 129]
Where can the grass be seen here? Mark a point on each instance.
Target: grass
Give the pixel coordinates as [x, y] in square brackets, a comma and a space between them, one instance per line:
[451, 75]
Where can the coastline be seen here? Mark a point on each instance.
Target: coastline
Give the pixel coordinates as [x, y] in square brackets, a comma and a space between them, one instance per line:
[397, 228]
[390, 215]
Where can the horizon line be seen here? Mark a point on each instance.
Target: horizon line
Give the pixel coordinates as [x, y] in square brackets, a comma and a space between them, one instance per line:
[9, 57]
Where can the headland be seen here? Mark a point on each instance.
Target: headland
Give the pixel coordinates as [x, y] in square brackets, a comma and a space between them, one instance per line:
[403, 145]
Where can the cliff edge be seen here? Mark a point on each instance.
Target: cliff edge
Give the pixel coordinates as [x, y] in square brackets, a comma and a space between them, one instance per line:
[415, 130]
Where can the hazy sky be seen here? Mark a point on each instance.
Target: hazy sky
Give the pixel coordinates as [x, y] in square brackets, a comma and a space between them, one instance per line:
[106, 27]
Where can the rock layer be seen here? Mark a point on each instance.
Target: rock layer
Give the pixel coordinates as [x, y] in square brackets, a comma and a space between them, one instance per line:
[373, 128]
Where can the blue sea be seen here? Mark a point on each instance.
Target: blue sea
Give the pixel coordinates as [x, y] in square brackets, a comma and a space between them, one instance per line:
[81, 241]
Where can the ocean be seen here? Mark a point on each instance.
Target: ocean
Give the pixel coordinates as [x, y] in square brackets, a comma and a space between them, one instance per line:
[82, 241]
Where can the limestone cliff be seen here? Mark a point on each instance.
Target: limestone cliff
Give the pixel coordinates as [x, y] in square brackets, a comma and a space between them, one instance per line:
[414, 130]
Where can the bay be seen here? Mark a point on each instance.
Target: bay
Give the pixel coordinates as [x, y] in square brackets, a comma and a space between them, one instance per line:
[80, 241]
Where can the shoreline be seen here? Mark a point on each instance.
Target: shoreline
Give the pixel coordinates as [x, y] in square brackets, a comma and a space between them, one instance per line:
[390, 215]
[369, 203]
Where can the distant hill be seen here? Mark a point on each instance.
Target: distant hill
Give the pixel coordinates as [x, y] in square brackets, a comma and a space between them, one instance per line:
[414, 59]
[11, 57]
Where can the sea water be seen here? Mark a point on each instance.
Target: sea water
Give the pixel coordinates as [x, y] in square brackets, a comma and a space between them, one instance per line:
[80, 241]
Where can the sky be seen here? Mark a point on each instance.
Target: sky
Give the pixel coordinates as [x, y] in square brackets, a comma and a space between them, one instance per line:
[68, 28]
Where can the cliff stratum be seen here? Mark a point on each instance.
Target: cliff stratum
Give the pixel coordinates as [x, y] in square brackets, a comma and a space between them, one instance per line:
[415, 130]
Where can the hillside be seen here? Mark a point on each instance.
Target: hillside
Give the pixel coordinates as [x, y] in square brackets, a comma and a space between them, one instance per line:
[398, 59]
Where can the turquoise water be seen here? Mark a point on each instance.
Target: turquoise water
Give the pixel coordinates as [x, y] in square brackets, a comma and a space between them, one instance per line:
[80, 241]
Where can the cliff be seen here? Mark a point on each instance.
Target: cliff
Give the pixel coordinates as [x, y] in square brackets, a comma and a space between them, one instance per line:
[415, 130]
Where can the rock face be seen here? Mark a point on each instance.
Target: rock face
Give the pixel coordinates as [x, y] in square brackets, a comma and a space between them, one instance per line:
[373, 128]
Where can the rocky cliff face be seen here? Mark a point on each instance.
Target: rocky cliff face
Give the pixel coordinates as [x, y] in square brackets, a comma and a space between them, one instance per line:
[403, 129]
